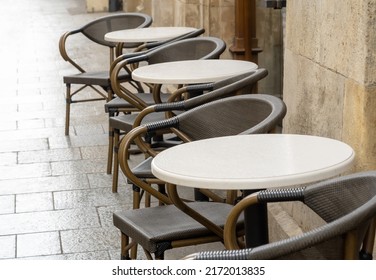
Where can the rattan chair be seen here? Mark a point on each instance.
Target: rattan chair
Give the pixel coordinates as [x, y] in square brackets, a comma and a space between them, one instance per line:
[119, 105]
[240, 84]
[243, 83]
[347, 205]
[160, 228]
[99, 81]
[192, 48]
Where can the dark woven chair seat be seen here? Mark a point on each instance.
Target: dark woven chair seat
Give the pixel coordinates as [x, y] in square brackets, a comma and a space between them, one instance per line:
[100, 78]
[150, 228]
[143, 169]
[125, 122]
[117, 104]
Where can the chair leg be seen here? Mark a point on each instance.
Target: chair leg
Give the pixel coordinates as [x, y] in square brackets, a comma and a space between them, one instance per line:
[147, 200]
[110, 149]
[110, 94]
[134, 251]
[115, 175]
[124, 247]
[369, 241]
[161, 189]
[161, 249]
[136, 197]
[68, 100]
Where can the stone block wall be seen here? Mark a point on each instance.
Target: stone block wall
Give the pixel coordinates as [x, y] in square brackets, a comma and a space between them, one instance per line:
[216, 16]
[96, 6]
[330, 78]
[330, 81]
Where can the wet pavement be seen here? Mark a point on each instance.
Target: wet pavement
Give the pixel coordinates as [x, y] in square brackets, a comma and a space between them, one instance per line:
[55, 196]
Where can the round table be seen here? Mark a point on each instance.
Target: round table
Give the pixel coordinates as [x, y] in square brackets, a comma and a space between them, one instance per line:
[253, 162]
[149, 34]
[192, 71]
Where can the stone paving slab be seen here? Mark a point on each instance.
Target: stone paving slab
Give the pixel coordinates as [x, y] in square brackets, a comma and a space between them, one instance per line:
[55, 196]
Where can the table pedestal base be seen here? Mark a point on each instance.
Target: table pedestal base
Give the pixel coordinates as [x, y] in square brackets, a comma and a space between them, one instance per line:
[256, 224]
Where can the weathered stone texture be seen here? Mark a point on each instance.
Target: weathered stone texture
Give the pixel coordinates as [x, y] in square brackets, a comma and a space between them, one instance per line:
[329, 82]
[331, 33]
[315, 98]
[216, 16]
[359, 129]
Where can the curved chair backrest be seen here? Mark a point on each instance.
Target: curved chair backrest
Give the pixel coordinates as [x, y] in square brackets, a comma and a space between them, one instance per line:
[151, 45]
[243, 114]
[192, 48]
[238, 84]
[347, 204]
[96, 29]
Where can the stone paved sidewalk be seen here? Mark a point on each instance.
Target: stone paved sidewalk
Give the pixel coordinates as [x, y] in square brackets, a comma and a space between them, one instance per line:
[55, 195]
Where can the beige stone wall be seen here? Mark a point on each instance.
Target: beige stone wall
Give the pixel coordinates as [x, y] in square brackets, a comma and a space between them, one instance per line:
[96, 6]
[330, 81]
[216, 16]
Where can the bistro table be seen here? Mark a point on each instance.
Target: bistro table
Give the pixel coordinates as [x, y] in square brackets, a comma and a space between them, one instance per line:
[145, 35]
[192, 71]
[253, 162]
[149, 34]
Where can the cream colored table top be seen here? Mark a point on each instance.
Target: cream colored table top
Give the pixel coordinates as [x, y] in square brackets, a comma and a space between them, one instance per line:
[149, 34]
[253, 161]
[192, 71]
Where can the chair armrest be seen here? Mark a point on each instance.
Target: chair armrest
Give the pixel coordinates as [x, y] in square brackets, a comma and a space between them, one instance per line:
[120, 90]
[241, 254]
[152, 45]
[190, 89]
[265, 196]
[63, 50]
[124, 150]
[124, 57]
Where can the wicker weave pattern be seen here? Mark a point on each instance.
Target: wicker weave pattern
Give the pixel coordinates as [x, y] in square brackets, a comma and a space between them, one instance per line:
[224, 255]
[96, 29]
[290, 194]
[200, 47]
[347, 203]
[155, 225]
[232, 116]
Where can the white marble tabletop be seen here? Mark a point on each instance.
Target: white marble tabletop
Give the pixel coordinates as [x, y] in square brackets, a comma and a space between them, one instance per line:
[192, 71]
[253, 161]
[149, 34]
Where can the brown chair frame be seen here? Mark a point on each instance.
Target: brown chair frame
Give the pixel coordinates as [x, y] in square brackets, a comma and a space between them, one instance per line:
[99, 81]
[192, 96]
[200, 48]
